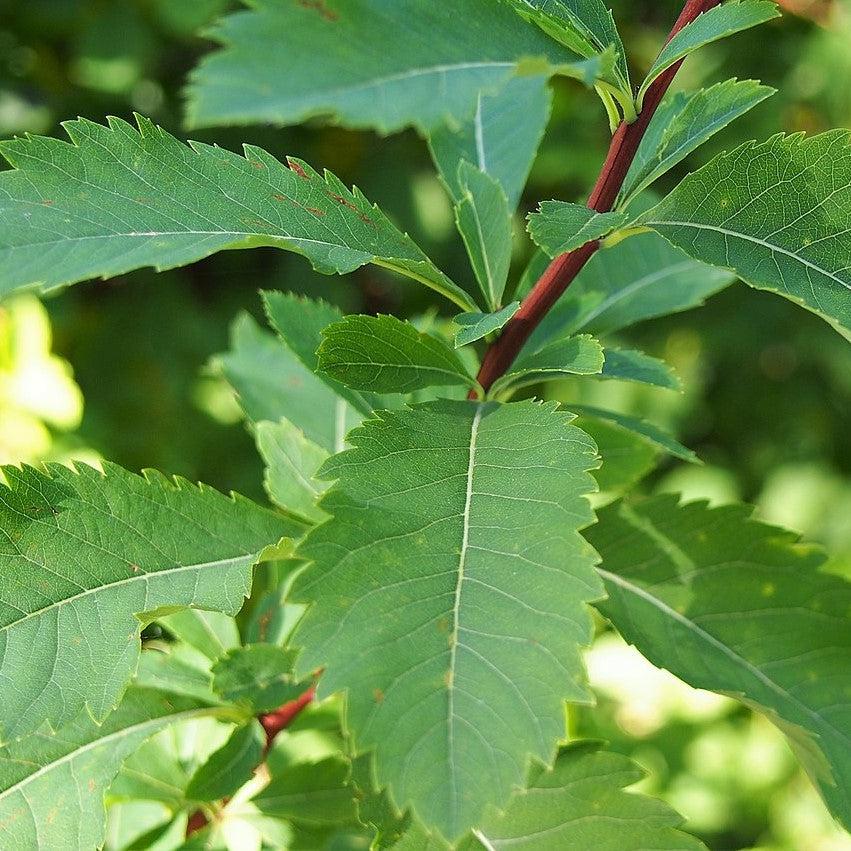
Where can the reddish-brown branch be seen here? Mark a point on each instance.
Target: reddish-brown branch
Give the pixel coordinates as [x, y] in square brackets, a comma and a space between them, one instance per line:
[562, 271]
[283, 716]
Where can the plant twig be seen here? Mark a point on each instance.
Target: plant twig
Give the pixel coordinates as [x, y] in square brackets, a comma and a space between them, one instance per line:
[283, 716]
[562, 271]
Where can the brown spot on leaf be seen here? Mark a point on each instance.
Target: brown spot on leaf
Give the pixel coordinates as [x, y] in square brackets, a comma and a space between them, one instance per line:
[263, 625]
[278, 197]
[378, 694]
[346, 203]
[294, 166]
[47, 202]
[320, 7]
[255, 164]
[315, 210]
[134, 568]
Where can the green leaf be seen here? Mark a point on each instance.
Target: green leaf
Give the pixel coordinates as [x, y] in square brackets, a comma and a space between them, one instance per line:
[387, 355]
[683, 123]
[448, 597]
[475, 326]
[777, 215]
[582, 355]
[177, 668]
[632, 365]
[272, 384]
[118, 199]
[316, 793]
[735, 606]
[627, 456]
[257, 677]
[211, 633]
[585, 26]
[501, 138]
[713, 25]
[639, 278]
[558, 227]
[433, 63]
[484, 222]
[52, 785]
[581, 803]
[651, 433]
[300, 322]
[85, 555]
[291, 461]
[230, 766]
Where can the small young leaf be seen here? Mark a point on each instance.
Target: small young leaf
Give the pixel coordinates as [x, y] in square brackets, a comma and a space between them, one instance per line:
[230, 766]
[735, 606]
[211, 633]
[52, 785]
[435, 60]
[450, 523]
[257, 677]
[387, 355]
[475, 326]
[585, 26]
[637, 279]
[273, 384]
[713, 25]
[315, 793]
[627, 456]
[632, 365]
[778, 213]
[501, 138]
[683, 123]
[651, 433]
[300, 322]
[484, 222]
[118, 199]
[582, 355]
[558, 227]
[86, 555]
[291, 462]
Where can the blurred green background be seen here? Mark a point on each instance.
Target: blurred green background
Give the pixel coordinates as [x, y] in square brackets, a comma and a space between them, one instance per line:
[126, 369]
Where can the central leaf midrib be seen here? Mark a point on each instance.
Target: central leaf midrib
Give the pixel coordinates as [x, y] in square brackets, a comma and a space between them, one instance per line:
[456, 608]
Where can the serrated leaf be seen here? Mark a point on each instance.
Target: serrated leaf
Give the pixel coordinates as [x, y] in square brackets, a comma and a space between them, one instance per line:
[433, 63]
[683, 123]
[632, 365]
[211, 633]
[501, 138]
[581, 803]
[258, 677]
[476, 326]
[291, 461]
[52, 785]
[85, 555]
[117, 198]
[484, 222]
[712, 25]
[776, 214]
[585, 26]
[735, 606]
[299, 322]
[558, 227]
[230, 766]
[582, 355]
[387, 355]
[651, 433]
[450, 524]
[639, 278]
[272, 384]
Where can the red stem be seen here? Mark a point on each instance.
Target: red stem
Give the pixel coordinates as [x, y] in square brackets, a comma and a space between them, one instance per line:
[562, 271]
[283, 716]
